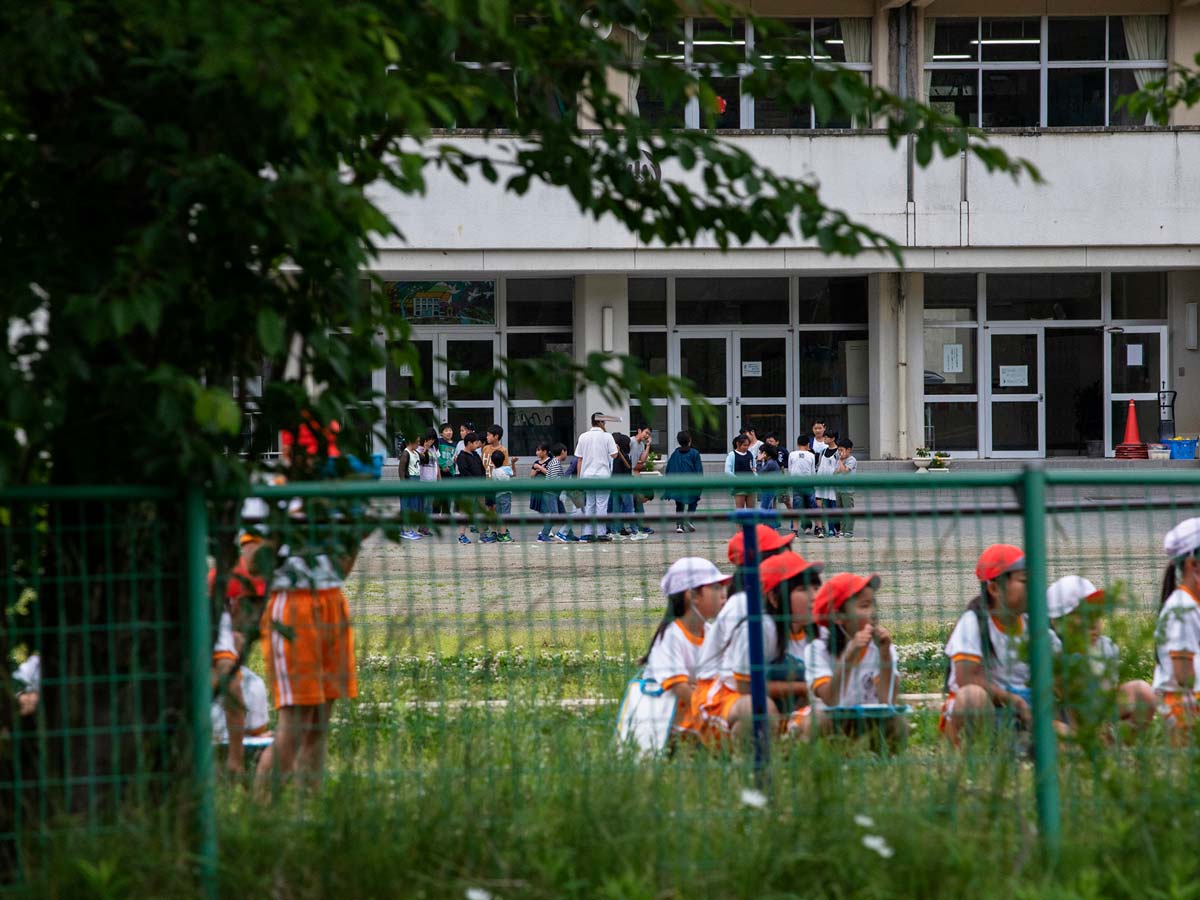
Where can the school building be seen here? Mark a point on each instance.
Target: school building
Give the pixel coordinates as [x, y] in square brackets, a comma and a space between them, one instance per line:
[1025, 318]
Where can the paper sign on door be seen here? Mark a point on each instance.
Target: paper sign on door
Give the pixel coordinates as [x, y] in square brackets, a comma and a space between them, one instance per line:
[1133, 355]
[752, 369]
[952, 359]
[1014, 376]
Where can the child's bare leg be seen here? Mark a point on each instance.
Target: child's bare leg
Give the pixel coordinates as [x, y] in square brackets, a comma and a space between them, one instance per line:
[311, 759]
[1136, 702]
[741, 718]
[972, 706]
[281, 762]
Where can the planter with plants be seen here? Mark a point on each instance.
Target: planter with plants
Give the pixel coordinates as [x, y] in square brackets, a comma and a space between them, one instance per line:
[940, 464]
[943, 456]
[922, 458]
[652, 459]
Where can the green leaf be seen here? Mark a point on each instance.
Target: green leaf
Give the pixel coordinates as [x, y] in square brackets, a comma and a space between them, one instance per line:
[216, 411]
[271, 331]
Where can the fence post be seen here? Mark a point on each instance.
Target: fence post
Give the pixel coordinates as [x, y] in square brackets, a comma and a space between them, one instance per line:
[754, 632]
[199, 655]
[1041, 670]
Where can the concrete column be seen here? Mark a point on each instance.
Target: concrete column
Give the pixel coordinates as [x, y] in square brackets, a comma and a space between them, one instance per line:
[896, 310]
[593, 294]
[1183, 43]
[1183, 288]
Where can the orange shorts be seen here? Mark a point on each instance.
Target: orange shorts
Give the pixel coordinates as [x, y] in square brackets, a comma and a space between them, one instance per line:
[1171, 707]
[719, 705]
[310, 660]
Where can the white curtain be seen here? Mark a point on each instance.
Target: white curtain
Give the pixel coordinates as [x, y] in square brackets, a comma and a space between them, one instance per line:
[635, 51]
[856, 37]
[930, 35]
[1146, 38]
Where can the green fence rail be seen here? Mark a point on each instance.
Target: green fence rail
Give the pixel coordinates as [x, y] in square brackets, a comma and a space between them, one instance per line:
[491, 666]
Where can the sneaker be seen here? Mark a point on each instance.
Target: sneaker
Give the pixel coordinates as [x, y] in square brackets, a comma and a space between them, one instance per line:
[586, 539]
[463, 539]
[679, 529]
[571, 539]
[604, 538]
[817, 532]
[848, 534]
[648, 530]
[562, 538]
[624, 532]
[505, 538]
[474, 529]
[410, 536]
[691, 528]
[546, 538]
[640, 536]
[424, 532]
[488, 539]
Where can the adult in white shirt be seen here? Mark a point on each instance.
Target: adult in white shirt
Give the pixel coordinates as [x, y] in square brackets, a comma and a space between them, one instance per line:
[595, 451]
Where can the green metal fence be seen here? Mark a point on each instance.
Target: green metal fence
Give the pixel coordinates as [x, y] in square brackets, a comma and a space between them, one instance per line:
[490, 671]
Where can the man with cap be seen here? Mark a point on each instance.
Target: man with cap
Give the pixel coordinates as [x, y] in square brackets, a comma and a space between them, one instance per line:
[1178, 636]
[987, 670]
[1090, 662]
[596, 451]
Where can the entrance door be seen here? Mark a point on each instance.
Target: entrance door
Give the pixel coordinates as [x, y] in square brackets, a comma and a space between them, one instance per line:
[1136, 359]
[744, 374]
[454, 387]
[1016, 425]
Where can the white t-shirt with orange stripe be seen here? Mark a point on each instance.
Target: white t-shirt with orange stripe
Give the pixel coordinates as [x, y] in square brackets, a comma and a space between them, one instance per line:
[672, 659]
[859, 682]
[716, 638]
[735, 661]
[1178, 635]
[1006, 666]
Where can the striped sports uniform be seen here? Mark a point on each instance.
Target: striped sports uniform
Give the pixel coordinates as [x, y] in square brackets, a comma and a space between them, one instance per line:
[859, 684]
[708, 660]
[1178, 637]
[672, 661]
[311, 660]
[254, 696]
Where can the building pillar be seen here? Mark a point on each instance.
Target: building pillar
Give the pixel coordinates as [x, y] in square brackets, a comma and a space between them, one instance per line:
[896, 305]
[593, 295]
[1182, 288]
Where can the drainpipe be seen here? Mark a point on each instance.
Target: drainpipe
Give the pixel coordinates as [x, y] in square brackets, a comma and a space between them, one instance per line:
[902, 364]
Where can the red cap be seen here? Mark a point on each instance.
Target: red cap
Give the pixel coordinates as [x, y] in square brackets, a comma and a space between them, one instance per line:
[306, 437]
[768, 539]
[780, 568]
[836, 591]
[236, 586]
[998, 560]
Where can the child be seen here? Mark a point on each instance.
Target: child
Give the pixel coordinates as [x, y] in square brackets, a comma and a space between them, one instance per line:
[572, 501]
[846, 465]
[850, 661]
[502, 472]
[740, 462]
[789, 585]
[545, 466]
[1075, 607]
[469, 466]
[408, 469]
[1178, 635]
[803, 464]
[684, 460]
[987, 670]
[695, 592]
[430, 471]
[826, 496]
[768, 464]
[728, 707]
[622, 466]
[445, 449]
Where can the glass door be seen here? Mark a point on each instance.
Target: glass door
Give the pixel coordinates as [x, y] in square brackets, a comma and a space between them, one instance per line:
[706, 358]
[454, 384]
[761, 377]
[1136, 358]
[1016, 425]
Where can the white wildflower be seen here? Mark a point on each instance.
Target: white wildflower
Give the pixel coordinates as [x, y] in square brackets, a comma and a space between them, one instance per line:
[478, 894]
[754, 799]
[878, 844]
[864, 821]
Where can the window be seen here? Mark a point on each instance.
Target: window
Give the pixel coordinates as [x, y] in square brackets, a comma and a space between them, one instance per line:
[443, 302]
[1030, 297]
[539, 301]
[648, 301]
[731, 301]
[539, 313]
[995, 72]
[1139, 295]
[703, 45]
[951, 362]
[833, 300]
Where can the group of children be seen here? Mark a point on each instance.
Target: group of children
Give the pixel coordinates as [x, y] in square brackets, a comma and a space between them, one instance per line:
[826, 654]
[823, 453]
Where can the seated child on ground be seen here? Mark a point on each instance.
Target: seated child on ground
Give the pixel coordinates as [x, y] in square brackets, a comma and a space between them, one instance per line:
[1178, 636]
[850, 662]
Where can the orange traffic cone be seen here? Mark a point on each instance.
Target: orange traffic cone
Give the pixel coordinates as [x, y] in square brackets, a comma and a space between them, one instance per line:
[1132, 447]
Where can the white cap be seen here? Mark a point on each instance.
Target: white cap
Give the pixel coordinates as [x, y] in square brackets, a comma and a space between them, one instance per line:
[1183, 539]
[1064, 596]
[690, 572]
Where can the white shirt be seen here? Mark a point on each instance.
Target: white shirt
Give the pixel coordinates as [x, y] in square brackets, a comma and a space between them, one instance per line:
[826, 465]
[672, 659]
[802, 462]
[595, 449]
[754, 448]
[859, 682]
[1005, 665]
[797, 646]
[735, 661]
[1178, 633]
[29, 673]
[225, 644]
[716, 637]
[254, 695]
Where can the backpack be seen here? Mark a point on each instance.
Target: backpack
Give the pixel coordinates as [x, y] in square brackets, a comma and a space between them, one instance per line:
[985, 639]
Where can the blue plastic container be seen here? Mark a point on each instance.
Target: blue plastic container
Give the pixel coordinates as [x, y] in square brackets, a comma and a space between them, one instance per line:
[1182, 448]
